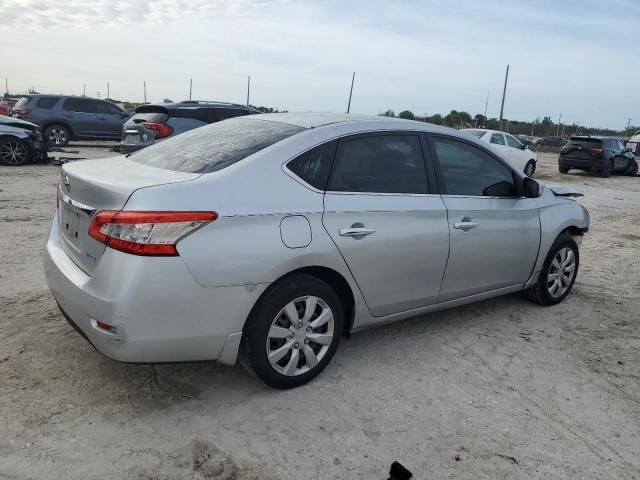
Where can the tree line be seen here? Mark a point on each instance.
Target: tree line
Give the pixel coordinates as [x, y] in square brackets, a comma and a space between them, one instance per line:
[544, 127]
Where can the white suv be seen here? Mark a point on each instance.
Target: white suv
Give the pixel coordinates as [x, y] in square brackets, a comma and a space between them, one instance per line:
[509, 147]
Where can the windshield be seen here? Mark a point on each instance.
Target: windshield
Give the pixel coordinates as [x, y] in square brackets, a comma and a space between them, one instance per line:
[214, 147]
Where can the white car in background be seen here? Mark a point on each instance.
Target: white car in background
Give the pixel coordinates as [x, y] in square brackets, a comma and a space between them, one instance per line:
[509, 147]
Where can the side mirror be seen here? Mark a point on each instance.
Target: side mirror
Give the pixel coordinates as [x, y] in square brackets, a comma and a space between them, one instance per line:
[523, 146]
[124, 114]
[531, 188]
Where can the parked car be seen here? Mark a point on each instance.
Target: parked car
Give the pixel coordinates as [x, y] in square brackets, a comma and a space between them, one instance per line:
[634, 143]
[64, 118]
[20, 142]
[272, 237]
[509, 147]
[5, 109]
[602, 155]
[154, 122]
[554, 141]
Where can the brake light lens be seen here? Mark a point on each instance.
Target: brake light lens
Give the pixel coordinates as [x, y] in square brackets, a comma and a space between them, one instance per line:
[146, 233]
[163, 130]
[21, 112]
[596, 152]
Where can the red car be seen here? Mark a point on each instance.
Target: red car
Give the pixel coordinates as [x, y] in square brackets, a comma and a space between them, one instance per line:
[5, 109]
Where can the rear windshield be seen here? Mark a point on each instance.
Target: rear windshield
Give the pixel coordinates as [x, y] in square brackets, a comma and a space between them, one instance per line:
[214, 147]
[22, 102]
[476, 133]
[156, 117]
[586, 142]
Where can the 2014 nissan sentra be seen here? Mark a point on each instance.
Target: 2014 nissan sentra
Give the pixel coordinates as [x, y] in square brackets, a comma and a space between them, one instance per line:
[270, 238]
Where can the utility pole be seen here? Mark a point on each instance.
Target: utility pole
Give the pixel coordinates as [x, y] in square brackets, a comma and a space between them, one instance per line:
[144, 86]
[486, 104]
[190, 87]
[628, 124]
[248, 88]
[504, 93]
[559, 123]
[108, 92]
[98, 94]
[6, 85]
[84, 89]
[353, 78]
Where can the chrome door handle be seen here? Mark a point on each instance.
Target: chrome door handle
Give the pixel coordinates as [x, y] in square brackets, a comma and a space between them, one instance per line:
[465, 225]
[356, 232]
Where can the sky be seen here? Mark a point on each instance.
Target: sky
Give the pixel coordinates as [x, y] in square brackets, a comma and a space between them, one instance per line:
[578, 59]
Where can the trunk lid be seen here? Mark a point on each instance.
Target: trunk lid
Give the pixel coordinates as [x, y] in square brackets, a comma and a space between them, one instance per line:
[89, 186]
[582, 148]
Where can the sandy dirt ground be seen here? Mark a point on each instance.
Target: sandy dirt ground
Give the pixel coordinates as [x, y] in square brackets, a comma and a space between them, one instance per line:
[497, 389]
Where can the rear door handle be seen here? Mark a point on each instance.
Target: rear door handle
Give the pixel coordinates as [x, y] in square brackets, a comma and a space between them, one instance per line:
[356, 232]
[465, 225]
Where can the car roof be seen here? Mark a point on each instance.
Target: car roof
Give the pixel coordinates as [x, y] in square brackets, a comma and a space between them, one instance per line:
[314, 120]
[485, 130]
[591, 137]
[198, 103]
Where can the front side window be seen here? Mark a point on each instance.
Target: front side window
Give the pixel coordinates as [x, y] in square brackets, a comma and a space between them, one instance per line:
[79, 105]
[379, 164]
[469, 171]
[213, 147]
[106, 108]
[314, 165]
[497, 138]
[513, 142]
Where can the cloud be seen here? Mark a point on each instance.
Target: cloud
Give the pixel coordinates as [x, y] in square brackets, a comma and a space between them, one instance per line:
[52, 14]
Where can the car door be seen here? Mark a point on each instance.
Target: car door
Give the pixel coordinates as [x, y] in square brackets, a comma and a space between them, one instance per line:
[110, 120]
[387, 223]
[81, 114]
[517, 156]
[494, 232]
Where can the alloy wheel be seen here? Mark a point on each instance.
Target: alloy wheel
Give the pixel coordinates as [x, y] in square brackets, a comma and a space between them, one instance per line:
[57, 136]
[529, 169]
[561, 272]
[300, 336]
[13, 153]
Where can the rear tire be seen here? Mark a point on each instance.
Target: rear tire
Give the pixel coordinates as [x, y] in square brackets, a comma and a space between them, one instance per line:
[606, 170]
[562, 169]
[57, 135]
[14, 152]
[558, 274]
[286, 352]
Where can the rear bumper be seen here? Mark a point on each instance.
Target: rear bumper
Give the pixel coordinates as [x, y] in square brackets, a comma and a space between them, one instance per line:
[160, 313]
[580, 163]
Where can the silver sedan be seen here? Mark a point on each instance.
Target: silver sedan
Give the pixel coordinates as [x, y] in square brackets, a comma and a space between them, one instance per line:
[268, 238]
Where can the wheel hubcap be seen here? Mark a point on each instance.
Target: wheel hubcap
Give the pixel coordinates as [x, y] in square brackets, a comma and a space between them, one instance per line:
[561, 272]
[300, 335]
[57, 136]
[13, 153]
[529, 170]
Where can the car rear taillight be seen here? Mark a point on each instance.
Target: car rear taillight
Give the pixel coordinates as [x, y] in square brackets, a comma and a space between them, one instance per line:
[163, 129]
[21, 112]
[596, 152]
[146, 233]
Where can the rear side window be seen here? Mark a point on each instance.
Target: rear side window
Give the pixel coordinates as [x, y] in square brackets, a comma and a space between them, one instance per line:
[217, 114]
[214, 147]
[469, 171]
[80, 105]
[47, 102]
[497, 138]
[314, 166]
[380, 164]
[192, 113]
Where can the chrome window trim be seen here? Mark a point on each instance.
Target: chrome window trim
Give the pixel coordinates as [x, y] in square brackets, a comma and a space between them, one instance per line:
[81, 206]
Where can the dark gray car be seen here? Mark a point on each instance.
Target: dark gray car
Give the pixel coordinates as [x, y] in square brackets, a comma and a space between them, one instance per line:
[154, 122]
[63, 118]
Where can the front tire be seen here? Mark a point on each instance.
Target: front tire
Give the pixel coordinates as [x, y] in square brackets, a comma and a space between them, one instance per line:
[292, 332]
[633, 169]
[562, 169]
[14, 152]
[57, 135]
[558, 273]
